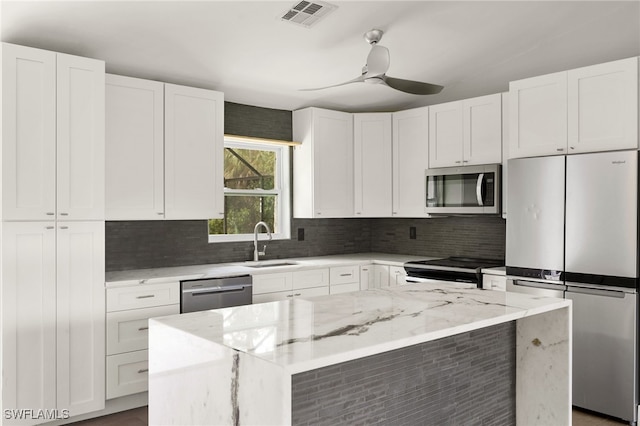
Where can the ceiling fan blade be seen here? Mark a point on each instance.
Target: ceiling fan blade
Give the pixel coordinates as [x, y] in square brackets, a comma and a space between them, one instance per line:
[410, 86]
[377, 61]
[358, 79]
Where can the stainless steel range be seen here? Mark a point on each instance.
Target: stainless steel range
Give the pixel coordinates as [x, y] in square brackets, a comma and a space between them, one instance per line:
[451, 269]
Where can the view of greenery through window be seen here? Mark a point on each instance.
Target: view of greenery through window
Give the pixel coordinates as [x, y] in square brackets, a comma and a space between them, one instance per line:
[250, 191]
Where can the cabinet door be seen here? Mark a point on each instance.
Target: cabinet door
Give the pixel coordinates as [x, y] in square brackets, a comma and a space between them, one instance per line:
[272, 297]
[80, 138]
[603, 106]
[372, 164]
[397, 275]
[445, 134]
[538, 119]
[381, 276]
[271, 283]
[134, 149]
[366, 277]
[333, 161]
[194, 149]
[80, 316]
[482, 129]
[28, 133]
[410, 160]
[29, 315]
[310, 278]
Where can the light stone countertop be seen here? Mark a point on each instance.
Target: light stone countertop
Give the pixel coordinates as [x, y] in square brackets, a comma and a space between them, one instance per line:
[215, 270]
[305, 334]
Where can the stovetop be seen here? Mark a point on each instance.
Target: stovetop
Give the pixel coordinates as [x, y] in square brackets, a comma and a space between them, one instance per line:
[459, 262]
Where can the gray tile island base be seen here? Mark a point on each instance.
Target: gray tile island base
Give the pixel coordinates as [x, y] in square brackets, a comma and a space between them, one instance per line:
[337, 358]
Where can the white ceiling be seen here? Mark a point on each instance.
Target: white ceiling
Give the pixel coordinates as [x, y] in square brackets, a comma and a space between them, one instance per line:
[243, 49]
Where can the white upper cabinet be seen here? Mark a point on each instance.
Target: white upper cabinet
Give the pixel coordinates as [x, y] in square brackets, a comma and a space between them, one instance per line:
[467, 132]
[80, 138]
[323, 164]
[603, 106]
[587, 109]
[28, 133]
[482, 130]
[410, 159]
[372, 164]
[134, 149]
[165, 149]
[194, 150]
[445, 135]
[538, 119]
[53, 135]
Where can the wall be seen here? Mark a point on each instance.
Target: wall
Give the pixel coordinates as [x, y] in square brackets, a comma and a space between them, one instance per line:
[152, 244]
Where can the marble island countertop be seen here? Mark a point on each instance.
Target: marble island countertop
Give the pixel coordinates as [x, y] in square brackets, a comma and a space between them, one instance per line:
[301, 335]
[177, 273]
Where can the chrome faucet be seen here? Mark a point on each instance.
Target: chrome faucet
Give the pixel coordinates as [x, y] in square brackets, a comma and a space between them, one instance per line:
[256, 253]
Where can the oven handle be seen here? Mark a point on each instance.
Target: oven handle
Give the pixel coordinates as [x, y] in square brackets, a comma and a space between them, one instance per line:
[479, 190]
[210, 290]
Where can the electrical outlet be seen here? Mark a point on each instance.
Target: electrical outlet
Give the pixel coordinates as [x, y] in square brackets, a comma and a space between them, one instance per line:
[412, 232]
[300, 234]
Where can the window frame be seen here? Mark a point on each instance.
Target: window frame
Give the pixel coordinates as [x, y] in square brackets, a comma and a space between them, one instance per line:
[282, 190]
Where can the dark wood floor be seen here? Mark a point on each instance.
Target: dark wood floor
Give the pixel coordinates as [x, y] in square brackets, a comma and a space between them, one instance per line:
[139, 417]
[135, 417]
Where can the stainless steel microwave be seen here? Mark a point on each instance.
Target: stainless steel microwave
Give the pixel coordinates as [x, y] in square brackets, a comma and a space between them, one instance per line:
[463, 190]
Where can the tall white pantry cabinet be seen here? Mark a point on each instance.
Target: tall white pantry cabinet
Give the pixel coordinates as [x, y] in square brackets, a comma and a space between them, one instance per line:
[52, 306]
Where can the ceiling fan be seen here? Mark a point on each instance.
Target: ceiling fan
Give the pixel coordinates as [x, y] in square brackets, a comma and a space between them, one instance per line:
[374, 71]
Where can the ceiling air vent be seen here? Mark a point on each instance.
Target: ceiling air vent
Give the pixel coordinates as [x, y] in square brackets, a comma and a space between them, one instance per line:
[307, 13]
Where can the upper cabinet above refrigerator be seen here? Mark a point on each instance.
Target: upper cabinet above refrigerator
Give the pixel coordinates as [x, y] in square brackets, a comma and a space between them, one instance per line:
[587, 109]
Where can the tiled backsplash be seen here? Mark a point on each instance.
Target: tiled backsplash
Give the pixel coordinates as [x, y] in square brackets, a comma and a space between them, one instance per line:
[152, 244]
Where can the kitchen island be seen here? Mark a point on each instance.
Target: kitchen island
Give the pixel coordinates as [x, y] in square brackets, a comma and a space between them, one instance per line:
[414, 354]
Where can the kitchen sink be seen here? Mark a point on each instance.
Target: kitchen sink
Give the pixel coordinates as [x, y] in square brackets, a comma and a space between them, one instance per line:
[269, 263]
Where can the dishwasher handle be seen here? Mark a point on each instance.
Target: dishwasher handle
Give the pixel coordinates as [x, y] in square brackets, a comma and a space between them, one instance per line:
[536, 284]
[210, 290]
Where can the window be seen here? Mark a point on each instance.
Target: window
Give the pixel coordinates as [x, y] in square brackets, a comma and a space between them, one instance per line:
[256, 188]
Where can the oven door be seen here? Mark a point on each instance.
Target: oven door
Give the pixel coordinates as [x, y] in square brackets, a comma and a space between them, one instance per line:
[440, 276]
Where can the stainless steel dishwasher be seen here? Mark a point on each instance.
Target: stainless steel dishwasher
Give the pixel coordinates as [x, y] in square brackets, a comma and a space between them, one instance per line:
[214, 293]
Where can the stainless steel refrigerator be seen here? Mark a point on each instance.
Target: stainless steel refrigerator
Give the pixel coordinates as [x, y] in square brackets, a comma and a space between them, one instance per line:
[572, 229]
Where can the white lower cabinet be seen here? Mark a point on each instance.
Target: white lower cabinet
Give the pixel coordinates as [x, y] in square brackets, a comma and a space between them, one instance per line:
[127, 373]
[366, 277]
[128, 311]
[380, 276]
[53, 316]
[343, 279]
[494, 282]
[397, 275]
[284, 285]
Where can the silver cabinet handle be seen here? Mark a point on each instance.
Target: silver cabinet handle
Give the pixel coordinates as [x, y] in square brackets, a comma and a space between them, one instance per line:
[50, 227]
[143, 370]
[289, 295]
[64, 214]
[298, 294]
[159, 213]
[572, 147]
[559, 149]
[465, 161]
[64, 227]
[146, 296]
[143, 328]
[50, 213]
[345, 275]
[458, 162]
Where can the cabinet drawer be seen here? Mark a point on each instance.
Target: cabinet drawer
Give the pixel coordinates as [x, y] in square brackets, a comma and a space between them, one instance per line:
[311, 278]
[344, 288]
[271, 297]
[312, 292]
[270, 283]
[128, 331]
[142, 296]
[344, 274]
[127, 373]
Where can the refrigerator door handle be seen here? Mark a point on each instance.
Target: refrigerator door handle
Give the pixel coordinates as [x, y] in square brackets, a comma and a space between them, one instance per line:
[596, 292]
[479, 196]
